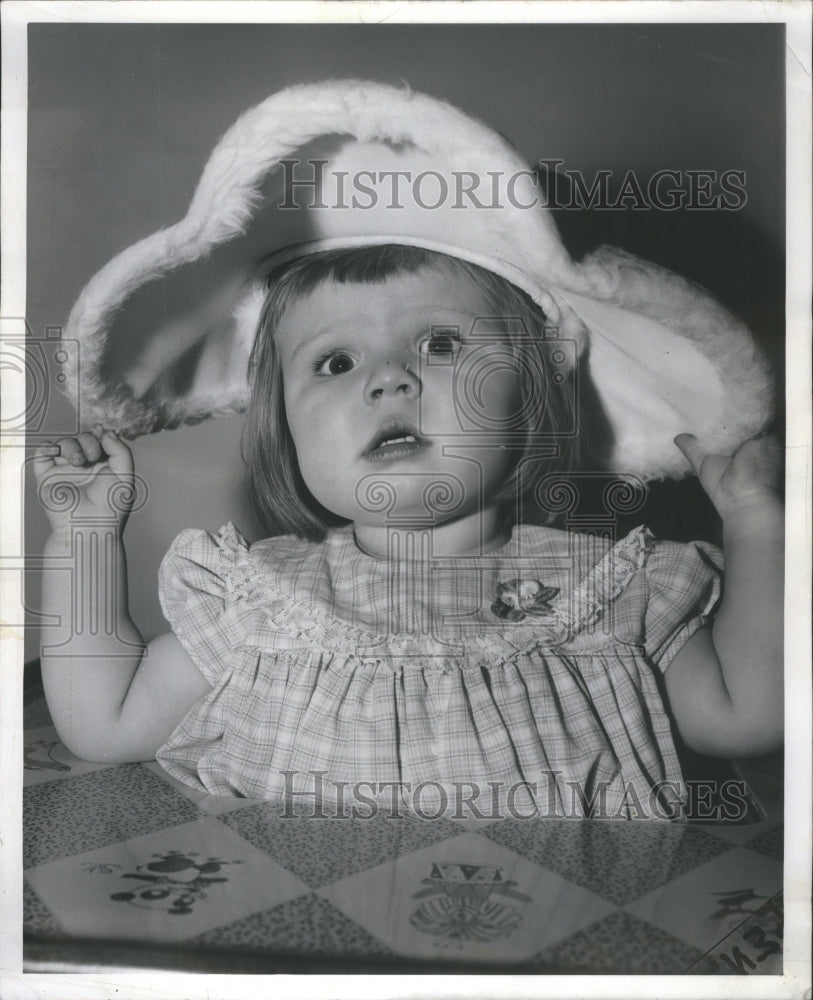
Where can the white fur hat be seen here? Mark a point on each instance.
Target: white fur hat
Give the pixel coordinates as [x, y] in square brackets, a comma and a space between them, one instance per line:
[166, 327]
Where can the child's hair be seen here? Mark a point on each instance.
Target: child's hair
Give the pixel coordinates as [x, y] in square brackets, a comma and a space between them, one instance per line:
[280, 497]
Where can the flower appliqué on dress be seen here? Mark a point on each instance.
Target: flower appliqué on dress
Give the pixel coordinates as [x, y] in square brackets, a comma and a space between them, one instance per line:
[518, 598]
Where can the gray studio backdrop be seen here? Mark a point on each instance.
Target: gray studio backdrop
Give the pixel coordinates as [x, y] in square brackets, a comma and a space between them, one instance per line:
[122, 117]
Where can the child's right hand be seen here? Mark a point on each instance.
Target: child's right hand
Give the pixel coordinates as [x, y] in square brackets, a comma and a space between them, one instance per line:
[87, 476]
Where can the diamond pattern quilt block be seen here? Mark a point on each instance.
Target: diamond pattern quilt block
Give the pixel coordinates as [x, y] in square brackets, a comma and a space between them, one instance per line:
[465, 898]
[166, 886]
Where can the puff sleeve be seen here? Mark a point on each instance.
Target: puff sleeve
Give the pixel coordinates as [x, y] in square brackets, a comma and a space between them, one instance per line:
[683, 592]
[195, 588]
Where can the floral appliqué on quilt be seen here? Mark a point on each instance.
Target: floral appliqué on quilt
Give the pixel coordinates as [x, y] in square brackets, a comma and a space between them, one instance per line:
[39, 756]
[462, 907]
[174, 883]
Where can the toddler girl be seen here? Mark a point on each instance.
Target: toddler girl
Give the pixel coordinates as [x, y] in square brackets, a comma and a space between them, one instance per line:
[414, 631]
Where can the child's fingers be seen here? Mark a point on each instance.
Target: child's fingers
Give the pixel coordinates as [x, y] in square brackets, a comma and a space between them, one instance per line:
[759, 461]
[767, 449]
[91, 447]
[690, 447]
[120, 458]
[44, 457]
[84, 449]
[72, 451]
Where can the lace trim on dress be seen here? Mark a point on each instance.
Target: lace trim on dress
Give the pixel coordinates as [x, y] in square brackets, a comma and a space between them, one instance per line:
[248, 583]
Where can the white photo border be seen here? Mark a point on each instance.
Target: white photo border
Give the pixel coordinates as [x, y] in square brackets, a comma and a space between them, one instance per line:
[14, 983]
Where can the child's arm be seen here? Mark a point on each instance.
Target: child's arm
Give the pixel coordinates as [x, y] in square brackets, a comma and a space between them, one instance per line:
[112, 697]
[725, 685]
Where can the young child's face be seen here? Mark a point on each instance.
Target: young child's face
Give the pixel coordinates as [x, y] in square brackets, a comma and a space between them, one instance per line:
[369, 374]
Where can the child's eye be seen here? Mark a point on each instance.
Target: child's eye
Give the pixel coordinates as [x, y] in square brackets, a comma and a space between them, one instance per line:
[441, 344]
[334, 363]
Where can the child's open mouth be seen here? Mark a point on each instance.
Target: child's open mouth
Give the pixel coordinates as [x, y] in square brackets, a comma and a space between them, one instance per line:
[394, 440]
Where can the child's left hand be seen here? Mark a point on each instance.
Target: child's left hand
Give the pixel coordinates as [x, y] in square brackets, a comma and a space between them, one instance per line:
[725, 683]
[745, 480]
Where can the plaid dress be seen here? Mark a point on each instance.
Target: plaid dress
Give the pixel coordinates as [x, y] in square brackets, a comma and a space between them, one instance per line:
[525, 681]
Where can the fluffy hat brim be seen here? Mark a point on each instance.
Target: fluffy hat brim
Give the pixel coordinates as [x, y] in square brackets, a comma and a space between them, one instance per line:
[166, 327]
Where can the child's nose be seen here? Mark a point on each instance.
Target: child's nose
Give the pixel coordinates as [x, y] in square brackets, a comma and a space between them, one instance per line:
[392, 377]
